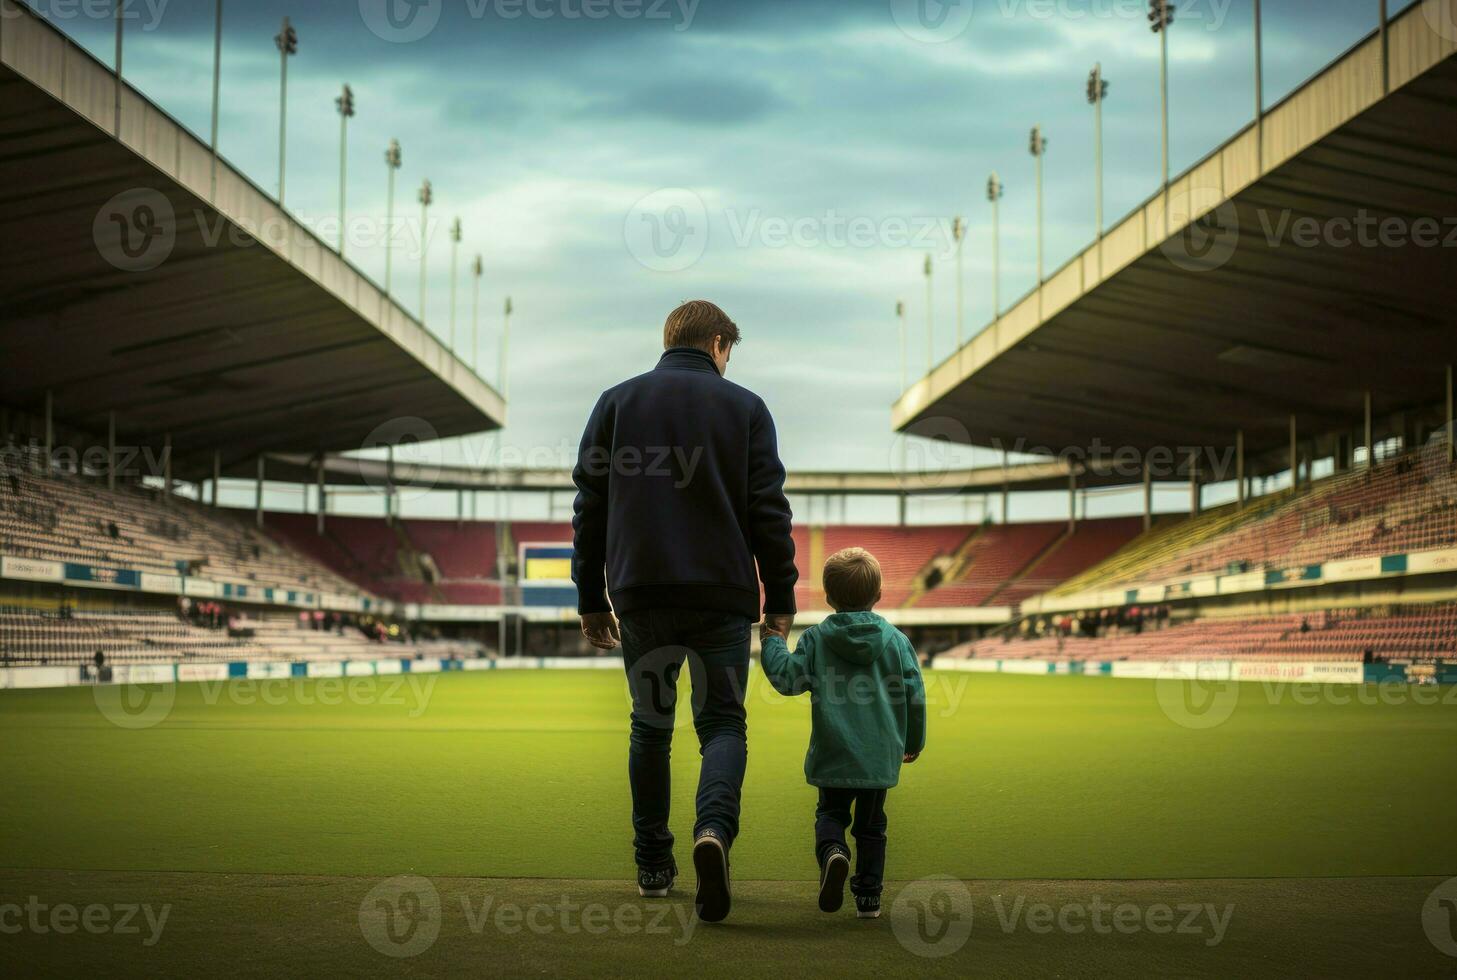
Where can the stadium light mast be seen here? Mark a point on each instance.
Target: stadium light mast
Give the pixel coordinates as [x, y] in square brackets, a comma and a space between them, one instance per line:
[994, 194]
[287, 41]
[1097, 92]
[1160, 17]
[958, 232]
[930, 316]
[505, 347]
[217, 85]
[345, 105]
[427, 197]
[1037, 144]
[478, 269]
[900, 316]
[454, 264]
[392, 159]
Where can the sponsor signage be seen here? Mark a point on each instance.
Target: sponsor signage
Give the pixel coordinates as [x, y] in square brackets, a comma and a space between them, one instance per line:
[31, 569]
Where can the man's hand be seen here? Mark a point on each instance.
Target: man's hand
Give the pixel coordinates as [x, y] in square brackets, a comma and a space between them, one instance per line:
[600, 629]
[778, 624]
[911, 757]
[766, 631]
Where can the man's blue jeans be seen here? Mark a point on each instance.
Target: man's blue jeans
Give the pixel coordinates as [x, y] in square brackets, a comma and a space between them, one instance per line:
[656, 646]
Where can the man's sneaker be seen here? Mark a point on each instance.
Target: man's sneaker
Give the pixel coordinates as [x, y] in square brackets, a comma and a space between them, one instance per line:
[867, 906]
[832, 880]
[710, 861]
[655, 884]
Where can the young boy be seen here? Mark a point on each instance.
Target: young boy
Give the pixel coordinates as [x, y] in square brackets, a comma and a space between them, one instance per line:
[868, 716]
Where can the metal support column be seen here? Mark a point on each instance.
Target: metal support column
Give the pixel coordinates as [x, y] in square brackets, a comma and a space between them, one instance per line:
[1072, 502]
[1448, 426]
[217, 475]
[1370, 447]
[1294, 457]
[323, 498]
[1194, 501]
[51, 430]
[166, 467]
[1147, 494]
[1239, 464]
[111, 450]
[258, 495]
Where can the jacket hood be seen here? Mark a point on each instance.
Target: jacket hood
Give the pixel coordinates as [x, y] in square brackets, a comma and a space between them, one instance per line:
[855, 637]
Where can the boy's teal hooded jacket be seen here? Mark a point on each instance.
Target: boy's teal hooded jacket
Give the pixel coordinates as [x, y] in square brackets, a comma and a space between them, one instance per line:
[868, 700]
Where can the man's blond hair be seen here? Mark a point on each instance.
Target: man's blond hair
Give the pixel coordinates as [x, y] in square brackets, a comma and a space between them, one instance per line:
[852, 580]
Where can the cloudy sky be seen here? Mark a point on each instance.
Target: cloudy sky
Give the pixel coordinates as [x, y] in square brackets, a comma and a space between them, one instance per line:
[794, 160]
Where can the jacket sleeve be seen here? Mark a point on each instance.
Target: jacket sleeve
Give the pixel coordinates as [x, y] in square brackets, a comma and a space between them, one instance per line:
[915, 692]
[788, 672]
[589, 512]
[769, 516]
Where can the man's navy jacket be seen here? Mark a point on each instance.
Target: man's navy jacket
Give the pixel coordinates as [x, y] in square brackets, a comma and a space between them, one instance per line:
[680, 491]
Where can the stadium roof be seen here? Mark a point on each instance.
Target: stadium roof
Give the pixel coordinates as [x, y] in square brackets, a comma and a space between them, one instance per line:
[915, 481]
[1147, 341]
[142, 277]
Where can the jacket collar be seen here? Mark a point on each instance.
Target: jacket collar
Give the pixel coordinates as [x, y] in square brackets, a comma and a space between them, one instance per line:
[686, 359]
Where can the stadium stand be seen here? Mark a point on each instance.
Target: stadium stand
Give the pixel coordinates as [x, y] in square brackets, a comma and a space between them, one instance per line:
[1413, 631]
[938, 566]
[73, 518]
[1404, 503]
[125, 636]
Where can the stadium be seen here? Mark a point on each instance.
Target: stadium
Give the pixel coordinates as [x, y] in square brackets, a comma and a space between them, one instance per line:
[292, 674]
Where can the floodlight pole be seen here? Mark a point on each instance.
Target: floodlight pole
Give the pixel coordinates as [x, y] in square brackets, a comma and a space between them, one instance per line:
[217, 84]
[454, 263]
[345, 104]
[427, 196]
[392, 160]
[1097, 91]
[505, 347]
[478, 269]
[930, 317]
[1160, 16]
[287, 42]
[900, 316]
[1259, 90]
[1038, 147]
[958, 232]
[994, 194]
[120, 12]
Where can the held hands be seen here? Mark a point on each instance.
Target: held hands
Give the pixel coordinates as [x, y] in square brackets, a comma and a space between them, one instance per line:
[911, 757]
[600, 629]
[776, 625]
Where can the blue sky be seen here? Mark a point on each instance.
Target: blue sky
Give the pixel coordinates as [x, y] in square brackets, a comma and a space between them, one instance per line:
[542, 124]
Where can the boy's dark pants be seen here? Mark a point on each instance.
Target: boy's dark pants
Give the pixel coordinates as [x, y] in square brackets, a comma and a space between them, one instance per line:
[657, 645]
[832, 816]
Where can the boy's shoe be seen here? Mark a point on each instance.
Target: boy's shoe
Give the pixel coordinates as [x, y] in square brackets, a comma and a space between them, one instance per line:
[832, 880]
[655, 884]
[710, 861]
[867, 906]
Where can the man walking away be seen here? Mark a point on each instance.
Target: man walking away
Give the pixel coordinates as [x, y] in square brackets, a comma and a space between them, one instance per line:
[680, 494]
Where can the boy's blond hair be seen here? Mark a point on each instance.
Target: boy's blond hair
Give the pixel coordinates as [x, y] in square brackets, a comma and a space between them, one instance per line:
[852, 580]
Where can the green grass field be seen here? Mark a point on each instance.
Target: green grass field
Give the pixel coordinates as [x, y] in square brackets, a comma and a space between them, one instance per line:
[267, 814]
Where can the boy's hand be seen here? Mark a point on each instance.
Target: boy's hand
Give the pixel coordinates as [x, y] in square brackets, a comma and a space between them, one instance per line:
[911, 757]
[766, 631]
[600, 629]
[777, 623]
